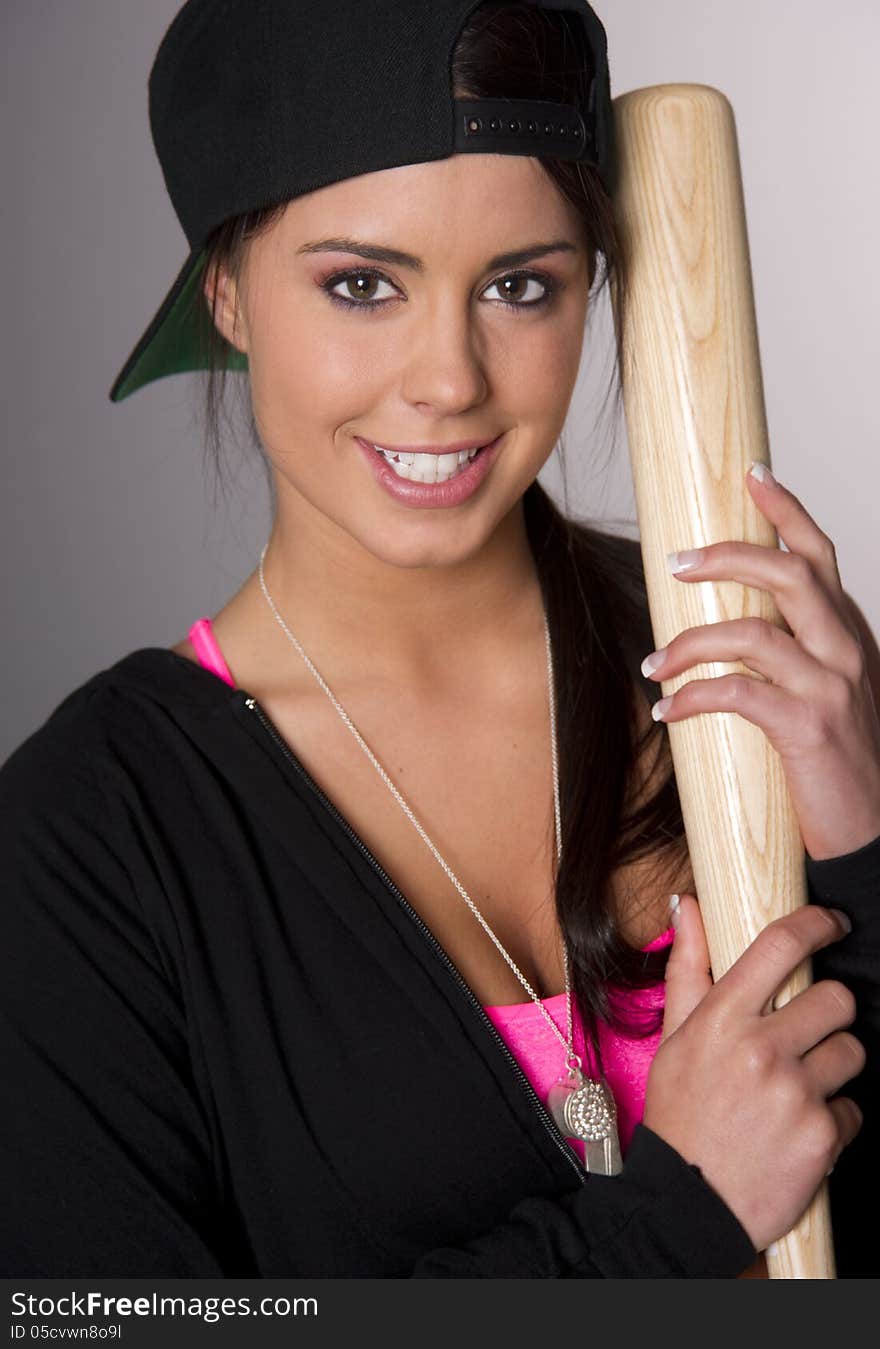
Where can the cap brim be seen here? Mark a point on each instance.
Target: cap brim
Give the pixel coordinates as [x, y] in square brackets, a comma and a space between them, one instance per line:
[175, 341]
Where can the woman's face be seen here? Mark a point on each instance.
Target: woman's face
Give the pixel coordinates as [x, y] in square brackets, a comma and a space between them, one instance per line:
[453, 346]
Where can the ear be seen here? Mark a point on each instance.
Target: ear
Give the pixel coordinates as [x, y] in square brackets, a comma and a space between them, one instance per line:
[223, 299]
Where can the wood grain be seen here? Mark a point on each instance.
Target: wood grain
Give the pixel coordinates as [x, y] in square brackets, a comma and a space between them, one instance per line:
[695, 416]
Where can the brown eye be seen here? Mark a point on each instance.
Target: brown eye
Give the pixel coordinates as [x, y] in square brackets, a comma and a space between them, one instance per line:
[515, 288]
[359, 288]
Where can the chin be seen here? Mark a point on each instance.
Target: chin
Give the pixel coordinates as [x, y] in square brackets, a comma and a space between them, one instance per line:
[444, 545]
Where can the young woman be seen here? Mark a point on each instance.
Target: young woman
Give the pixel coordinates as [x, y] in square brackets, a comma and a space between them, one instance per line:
[339, 934]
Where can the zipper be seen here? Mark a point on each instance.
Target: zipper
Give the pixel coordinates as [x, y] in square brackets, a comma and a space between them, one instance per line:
[556, 1136]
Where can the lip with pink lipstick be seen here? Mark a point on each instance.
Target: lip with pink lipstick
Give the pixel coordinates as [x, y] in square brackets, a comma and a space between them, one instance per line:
[430, 475]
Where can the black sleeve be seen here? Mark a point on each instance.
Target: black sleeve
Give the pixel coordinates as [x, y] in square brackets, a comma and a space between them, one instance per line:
[852, 883]
[105, 1168]
[658, 1219]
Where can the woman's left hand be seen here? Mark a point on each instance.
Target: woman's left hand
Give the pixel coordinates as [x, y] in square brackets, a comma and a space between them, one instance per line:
[819, 710]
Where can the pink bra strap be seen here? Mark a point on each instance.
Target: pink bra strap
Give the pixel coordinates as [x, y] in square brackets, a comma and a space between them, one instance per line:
[204, 642]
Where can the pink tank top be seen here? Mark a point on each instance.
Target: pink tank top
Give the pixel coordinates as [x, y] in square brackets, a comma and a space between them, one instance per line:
[521, 1025]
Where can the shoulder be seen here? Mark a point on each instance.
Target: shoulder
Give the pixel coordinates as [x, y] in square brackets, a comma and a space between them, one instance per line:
[96, 800]
[186, 649]
[59, 755]
[64, 863]
[116, 718]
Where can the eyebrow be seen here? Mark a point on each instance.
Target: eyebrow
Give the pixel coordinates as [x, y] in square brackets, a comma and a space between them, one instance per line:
[379, 253]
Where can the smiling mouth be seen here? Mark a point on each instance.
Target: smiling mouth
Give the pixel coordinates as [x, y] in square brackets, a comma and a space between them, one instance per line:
[429, 468]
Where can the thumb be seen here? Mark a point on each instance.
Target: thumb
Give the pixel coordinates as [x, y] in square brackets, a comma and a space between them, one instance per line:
[688, 975]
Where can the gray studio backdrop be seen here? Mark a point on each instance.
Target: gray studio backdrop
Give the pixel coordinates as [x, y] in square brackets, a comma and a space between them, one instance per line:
[112, 537]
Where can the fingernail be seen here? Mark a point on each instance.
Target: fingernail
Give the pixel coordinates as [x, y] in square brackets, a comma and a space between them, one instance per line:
[675, 910]
[659, 710]
[761, 472]
[691, 557]
[842, 919]
[653, 661]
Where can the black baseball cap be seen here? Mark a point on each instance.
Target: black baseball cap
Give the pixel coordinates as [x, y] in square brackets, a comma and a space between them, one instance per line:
[255, 102]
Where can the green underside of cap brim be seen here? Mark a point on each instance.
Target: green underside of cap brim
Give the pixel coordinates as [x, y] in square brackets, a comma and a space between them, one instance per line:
[179, 343]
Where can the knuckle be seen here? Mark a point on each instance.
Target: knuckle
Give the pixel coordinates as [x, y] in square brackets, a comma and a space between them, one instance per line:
[815, 725]
[758, 1057]
[786, 1096]
[789, 1093]
[737, 690]
[827, 549]
[822, 1137]
[756, 633]
[780, 943]
[853, 662]
[789, 939]
[800, 573]
[840, 692]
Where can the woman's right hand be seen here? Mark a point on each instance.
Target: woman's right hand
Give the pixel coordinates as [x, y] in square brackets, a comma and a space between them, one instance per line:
[740, 1089]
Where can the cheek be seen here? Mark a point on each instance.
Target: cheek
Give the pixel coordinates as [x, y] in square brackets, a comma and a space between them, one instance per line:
[306, 373]
[540, 372]
[539, 361]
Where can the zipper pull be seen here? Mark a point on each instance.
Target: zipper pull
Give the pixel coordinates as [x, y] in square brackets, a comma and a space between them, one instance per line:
[250, 703]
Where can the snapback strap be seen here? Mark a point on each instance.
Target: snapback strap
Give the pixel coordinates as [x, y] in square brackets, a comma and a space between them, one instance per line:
[521, 126]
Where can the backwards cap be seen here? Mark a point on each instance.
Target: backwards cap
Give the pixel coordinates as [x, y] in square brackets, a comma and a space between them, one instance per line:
[255, 102]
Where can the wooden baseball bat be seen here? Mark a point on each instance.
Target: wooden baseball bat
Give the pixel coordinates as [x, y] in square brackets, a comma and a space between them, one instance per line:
[695, 418]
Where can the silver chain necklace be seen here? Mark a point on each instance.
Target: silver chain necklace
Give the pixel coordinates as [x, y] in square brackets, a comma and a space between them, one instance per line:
[581, 1107]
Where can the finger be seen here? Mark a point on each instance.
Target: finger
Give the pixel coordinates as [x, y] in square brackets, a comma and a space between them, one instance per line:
[809, 1016]
[782, 716]
[688, 976]
[755, 643]
[849, 1119]
[778, 949]
[801, 596]
[794, 524]
[838, 1059]
[814, 614]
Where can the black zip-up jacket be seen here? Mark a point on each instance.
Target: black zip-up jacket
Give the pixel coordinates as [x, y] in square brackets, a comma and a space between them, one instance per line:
[230, 1047]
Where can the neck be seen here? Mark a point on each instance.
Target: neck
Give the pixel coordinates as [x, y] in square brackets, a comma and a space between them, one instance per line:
[437, 627]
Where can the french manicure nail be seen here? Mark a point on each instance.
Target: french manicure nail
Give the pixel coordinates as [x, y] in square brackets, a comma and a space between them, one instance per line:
[684, 561]
[761, 472]
[653, 661]
[675, 910]
[842, 919]
[659, 710]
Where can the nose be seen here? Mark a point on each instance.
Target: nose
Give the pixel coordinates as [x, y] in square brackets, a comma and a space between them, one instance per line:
[446, 366]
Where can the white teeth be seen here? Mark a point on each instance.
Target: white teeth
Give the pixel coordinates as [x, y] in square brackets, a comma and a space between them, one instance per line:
[428, 468]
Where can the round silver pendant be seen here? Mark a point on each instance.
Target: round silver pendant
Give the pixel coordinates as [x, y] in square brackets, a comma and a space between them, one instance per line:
[589, 1115]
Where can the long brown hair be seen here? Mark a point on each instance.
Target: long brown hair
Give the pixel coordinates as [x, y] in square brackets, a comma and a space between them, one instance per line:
[615, 813]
